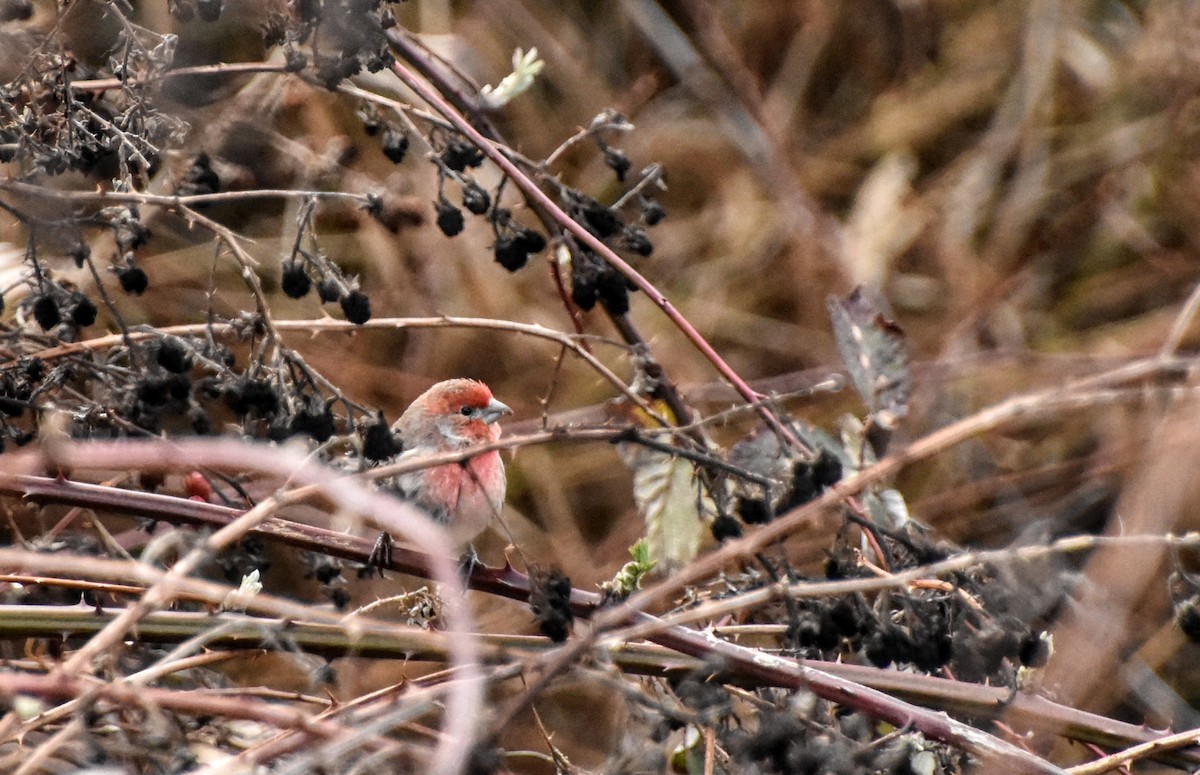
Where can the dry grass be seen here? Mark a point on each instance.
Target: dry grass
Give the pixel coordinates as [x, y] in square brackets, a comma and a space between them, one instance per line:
[1016, 181]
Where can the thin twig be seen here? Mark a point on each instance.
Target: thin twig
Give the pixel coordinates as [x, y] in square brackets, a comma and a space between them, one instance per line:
[531, 190]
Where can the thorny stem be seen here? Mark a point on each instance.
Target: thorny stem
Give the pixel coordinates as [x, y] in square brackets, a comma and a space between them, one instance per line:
[283, 717]
[752, 664]
[174, 200]
[385, 512]
[531, 190]
[224, 68]
[756, 666]
[1083, 393]
[573, 343]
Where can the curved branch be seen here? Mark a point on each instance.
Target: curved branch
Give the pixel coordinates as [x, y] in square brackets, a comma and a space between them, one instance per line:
[531, 190]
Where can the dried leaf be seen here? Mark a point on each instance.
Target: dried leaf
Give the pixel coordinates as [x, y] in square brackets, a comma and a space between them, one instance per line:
[673, 502]
[876, 357]
[886, 507]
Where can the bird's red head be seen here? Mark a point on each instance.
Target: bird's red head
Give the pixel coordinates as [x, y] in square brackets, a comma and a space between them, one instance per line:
[461, 412]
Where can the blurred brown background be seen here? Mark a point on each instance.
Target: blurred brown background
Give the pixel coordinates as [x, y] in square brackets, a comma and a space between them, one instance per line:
[1017, 180]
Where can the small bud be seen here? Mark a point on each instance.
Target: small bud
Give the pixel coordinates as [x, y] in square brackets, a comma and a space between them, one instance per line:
[616, 159]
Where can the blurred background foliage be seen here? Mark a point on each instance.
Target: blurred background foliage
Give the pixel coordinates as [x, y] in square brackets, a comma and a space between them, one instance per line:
[1016, 180]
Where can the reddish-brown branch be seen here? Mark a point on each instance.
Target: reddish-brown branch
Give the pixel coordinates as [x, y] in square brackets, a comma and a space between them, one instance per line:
[536, 195]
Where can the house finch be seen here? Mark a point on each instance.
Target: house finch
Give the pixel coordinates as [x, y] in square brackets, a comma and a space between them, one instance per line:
[454, 415]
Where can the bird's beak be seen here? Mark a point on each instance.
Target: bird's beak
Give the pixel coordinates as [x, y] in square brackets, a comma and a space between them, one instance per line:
[494, 411]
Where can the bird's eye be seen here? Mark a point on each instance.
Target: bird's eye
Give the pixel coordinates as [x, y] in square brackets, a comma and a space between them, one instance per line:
[467, 411]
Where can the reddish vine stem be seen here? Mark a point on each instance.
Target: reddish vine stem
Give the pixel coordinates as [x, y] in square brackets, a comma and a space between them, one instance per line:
[747, 663]
[535, 194]
[424, 64]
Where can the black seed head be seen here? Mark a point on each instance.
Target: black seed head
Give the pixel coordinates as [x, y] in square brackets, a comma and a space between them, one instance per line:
[753, 511]
[652, 212]
[616, 159]
[356, 306]
[476, 199]
[172, 354]
[379, 443]
[318, 424]
[329, 291]
[252, 395]
[294, 61]
[637, 241]
[530, 241]
[803, 487]
[460, 154]
[152, 391]
[509, 254]
[201, 422]
[132, 234]
[209, 10]
[308, 10]
[133, 280]
[1035, 650]
[84, 311]
[395, 145]
[35, 368]
[613, 292]
[16, 10]
[294, 280]
[603, 221]
[827, 469]
[725, 527]
[449, 218]
[583, 289]
[1187, 616]
[46, 312]
[549, 599]
[79, 253]
[274, 30]
[179, 387]
[339, 597]
[200, 177]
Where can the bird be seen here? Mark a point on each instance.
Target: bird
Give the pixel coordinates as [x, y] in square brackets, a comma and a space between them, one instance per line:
[451, 416]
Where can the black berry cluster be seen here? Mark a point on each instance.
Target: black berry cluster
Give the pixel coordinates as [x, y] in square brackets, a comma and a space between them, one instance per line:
[550, 601]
